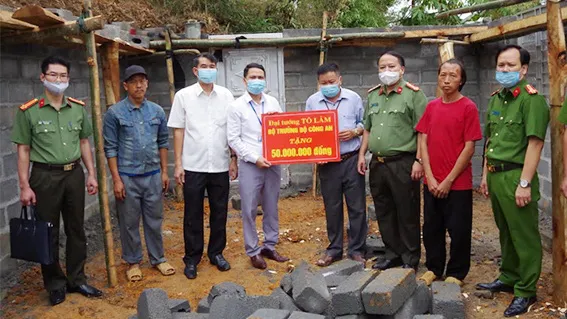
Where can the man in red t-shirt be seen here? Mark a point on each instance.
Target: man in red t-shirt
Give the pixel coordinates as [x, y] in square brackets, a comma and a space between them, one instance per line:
[449, 127]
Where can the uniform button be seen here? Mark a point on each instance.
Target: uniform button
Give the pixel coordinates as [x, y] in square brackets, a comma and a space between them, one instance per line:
[382, 124]
[505, 102]
[491, 150]
[45, 130]
[61, 127]
[496, 134]
[378, 137]
[378, 152]
[141, 122]
[386, 99]
[395, 111]
[383, 111]
[64, 143]
[501, 118]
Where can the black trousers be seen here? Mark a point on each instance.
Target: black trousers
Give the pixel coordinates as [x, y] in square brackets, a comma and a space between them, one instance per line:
[60, 193]
[338, 179]
[453, 214]
[396, 198]
[217, 186]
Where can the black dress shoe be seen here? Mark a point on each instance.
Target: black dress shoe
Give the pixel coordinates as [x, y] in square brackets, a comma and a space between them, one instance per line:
[408, 266]
[57, 296]
[190, 271]
[495, 286]
[387, 263]
[519, 305]
[86, 290]
[220, 262]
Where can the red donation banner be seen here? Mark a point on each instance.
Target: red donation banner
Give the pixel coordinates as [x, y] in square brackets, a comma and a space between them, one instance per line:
[301, 137]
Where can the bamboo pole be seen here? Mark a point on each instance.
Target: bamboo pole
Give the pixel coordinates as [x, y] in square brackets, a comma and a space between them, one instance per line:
[480, 7]
[313, 40]
[99, 151]
[171, 80]
[446, 52]
[111, 72]
[557, 82]
[441, 41]
[42, 35]
[322, 54]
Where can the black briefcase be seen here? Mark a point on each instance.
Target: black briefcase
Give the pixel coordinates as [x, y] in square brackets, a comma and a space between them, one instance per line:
[30, 238]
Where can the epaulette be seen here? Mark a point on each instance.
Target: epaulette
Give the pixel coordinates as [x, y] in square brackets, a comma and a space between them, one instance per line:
[495, 92]
[531, 90]
[28, 104]
[75, 101]
[374, 88]
[413, 87]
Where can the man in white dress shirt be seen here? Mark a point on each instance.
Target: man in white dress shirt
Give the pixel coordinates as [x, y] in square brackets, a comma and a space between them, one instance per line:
[259, 181]
[203, 161]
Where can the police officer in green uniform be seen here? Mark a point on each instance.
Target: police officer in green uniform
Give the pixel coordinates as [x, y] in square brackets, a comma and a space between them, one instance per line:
[51, 131]
[392, 112]
[516, 123]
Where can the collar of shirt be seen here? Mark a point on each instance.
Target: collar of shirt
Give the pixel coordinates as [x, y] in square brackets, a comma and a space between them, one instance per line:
[43, 102]
[201, 91]
[515, 91]
[324, 100]
[131, 105]
[249, 98]
[399, 89]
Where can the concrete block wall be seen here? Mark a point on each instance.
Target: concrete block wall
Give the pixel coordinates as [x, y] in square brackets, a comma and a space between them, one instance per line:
[359, 70]
[20, 68]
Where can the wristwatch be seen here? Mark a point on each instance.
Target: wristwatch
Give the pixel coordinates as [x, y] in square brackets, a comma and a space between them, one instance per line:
[355, 131]
[524, 183]
[417, 159]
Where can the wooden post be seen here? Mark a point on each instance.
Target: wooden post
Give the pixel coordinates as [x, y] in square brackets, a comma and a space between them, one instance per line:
[446, 52]
[171, 80]
[99, 151]
[322, 54]
[111, 72]
[479, 7]
[557, 82]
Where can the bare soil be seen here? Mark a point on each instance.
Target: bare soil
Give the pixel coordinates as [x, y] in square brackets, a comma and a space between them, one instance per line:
[303, 236]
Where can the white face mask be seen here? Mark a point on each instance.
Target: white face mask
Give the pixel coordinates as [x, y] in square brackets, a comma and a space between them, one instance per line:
[56, 88]
[389, 77]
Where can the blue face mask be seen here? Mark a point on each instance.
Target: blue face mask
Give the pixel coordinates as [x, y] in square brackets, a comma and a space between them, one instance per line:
[508, 79]
[256, 86]
[330, 90]
[207, 75]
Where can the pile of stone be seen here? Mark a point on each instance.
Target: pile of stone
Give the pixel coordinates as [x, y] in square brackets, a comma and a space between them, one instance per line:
[343, 290]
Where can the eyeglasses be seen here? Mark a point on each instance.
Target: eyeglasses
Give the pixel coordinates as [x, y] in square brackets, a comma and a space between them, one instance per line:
[53, 75]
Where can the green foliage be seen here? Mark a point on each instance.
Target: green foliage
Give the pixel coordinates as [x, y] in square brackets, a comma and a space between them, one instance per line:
[365, 14]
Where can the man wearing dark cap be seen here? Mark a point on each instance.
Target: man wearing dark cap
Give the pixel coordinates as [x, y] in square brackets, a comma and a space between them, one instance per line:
[135, 143]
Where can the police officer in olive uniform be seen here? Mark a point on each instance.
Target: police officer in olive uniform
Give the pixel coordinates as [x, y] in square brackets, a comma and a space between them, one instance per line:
[51, 131]
[516, 123]
[392, 112]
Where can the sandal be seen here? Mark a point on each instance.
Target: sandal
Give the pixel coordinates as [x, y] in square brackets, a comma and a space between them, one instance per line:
[454, 280]
[165, 268]
[428, 277]
[134, 273]
[327, 260]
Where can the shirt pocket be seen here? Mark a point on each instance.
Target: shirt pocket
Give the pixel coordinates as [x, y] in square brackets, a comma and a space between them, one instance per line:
[127, 129]
[154, 128]
[349, 121]
[373, 114]
[45, 133]
[74, 129]
[513, 129]
[397, 115]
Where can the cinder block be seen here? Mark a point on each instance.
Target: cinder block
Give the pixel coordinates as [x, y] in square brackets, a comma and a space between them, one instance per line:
[240, 307]
[447, 300]
[204, 306]
[153, 304]
[359, 316]
[429, 317]
[286, 302]
[190, 315]
[305, 315]
[335, 280]
[226, 288]
[344, 267]
[179, 305]
[387, 293]
[141, 40]
[270, 314]
[374, 246]
[347, 297]
[63, 13]
[309, 289]
[8, 190]
[419, 303]
[235, 201]
[371, 211]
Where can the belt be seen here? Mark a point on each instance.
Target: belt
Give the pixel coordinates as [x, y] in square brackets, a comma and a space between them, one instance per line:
[57, 167]
[502, 167]
[348, 155]
[387, 159]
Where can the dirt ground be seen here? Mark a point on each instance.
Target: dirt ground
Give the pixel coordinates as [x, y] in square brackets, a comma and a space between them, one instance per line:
[303, 236]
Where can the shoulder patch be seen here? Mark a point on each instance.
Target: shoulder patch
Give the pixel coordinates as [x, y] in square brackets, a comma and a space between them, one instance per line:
[530, 89]
[495, 92]
[412, 86]
[28, 104]
[75, 101]
[374, 88]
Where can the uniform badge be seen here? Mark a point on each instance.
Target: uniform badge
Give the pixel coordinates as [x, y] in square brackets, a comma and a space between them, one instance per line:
[75, 101]
[531, 90]
[412, 86]
[28, 104]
